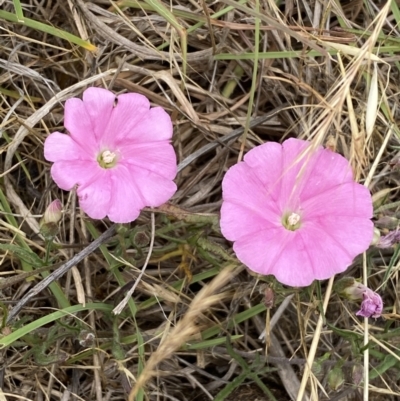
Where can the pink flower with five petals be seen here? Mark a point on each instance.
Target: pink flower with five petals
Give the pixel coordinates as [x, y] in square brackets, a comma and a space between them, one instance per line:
[295, 212]
[118, 154]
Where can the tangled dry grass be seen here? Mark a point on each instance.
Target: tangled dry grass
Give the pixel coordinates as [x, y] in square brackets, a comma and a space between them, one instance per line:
[232, 74]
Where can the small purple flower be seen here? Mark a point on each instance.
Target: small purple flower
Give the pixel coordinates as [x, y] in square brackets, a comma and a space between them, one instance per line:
[371, 306]
[387, 241]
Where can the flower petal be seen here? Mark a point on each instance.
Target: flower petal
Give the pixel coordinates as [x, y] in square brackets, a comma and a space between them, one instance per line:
[310, 256]
[130, 108]
[58, 146]
[233, 228]
[242, 186]
[99, 104]
[267, 253]
[269, 154]
[68, 173]
[79, 125]
[349, 199]
[154, 189]
[95, 195]
[301, 161]
[288, 256]
[328, 170]
[126, 200]
[154, 126]
[353, 234]
[158, 157]
[371, 306]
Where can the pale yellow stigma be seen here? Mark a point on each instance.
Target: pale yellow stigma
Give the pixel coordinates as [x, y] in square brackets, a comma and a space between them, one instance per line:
[108, 157]
[293, 219]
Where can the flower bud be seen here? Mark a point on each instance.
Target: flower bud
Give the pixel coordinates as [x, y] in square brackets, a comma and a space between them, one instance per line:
[140, 239]
[53, 213]
[357, 374]
[371, 306]
[269, 297]
[336, 378]
[51, 218]
[349, 288]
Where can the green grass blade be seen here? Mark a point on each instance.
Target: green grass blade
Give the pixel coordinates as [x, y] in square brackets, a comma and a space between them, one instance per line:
[17, 334]
[18, 10]
[48, 29]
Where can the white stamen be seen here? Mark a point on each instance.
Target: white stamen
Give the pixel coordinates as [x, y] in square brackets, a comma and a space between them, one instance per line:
[107, 157]
[293, 219]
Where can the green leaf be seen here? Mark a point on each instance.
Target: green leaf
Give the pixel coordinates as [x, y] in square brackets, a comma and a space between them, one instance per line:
[23, 254]
[29, 328]
[388, 362]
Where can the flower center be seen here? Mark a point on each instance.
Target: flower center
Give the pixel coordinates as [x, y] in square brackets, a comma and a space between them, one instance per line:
[107, 159]
[291, 221]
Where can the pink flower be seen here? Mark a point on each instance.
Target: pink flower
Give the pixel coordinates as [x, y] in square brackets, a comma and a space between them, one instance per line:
[350, 288]
[118, 153]
[295, 213]
[371, 306]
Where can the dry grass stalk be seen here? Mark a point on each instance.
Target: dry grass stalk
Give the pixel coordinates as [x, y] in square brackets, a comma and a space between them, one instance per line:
[187, 327]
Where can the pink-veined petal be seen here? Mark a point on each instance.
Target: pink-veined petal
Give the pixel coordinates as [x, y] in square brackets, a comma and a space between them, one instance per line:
[155, 189]
[127, 200]
[329, 170]
[241, 186]
[320, 250]
[68, 173]
[269, 154]
[288, 256]
[298, 161]
[354, 234]
[233, 217]
[349, 199]
[311, 255]
[130, 109]
[58, 146]
[99, 104]
[308, 171]
[79, 125]
[260, 251]
[95, 196]
[154, 126]
[158, 157]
